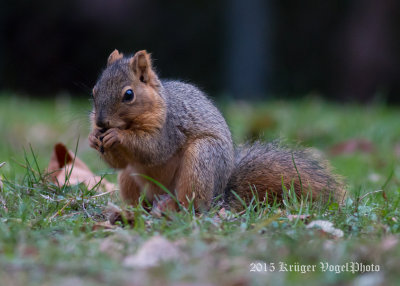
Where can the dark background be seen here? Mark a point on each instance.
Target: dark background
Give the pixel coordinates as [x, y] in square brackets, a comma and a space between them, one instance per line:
[248, 49]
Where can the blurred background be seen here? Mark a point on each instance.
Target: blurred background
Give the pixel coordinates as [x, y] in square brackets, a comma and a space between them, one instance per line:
[245, 49]
[276, 69]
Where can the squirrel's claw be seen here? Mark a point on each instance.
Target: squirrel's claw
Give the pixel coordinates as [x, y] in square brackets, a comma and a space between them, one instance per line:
[94, 142]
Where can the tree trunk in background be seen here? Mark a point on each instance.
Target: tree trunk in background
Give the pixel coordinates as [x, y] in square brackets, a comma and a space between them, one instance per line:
[368, 63]
[247, 48]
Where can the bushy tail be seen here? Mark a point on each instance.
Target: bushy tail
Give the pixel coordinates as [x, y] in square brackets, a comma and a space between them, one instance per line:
[263, 168]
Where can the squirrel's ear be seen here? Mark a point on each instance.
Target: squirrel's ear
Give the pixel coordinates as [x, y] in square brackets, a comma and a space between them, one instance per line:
[141, 66]
[114, 56]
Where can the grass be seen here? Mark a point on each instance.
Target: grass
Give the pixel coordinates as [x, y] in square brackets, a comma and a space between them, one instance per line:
[48, 235]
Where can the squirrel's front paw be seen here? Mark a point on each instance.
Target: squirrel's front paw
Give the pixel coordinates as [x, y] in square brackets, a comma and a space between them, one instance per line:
[94, 140]
[111, 137]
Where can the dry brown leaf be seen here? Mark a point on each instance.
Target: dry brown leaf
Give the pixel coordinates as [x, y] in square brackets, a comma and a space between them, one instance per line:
[103, 225]
[154, 251]
[115, 214]
[61, 162]
[326, 227]
[351, 146]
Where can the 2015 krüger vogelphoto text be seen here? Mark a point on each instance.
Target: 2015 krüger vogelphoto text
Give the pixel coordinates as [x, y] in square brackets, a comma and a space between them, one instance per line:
[351, 266]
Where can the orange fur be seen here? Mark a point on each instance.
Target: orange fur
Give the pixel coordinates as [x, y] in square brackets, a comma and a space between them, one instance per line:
[129, 189]
[131, 182]
[152, 115]
[190, 183]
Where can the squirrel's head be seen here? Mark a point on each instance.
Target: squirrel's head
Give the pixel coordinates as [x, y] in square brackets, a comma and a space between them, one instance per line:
[127, 94]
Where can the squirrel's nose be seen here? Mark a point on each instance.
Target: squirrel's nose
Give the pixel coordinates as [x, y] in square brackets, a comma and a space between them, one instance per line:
[101, 121]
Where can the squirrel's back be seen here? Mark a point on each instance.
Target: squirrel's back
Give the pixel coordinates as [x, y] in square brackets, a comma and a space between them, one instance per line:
[193, 112]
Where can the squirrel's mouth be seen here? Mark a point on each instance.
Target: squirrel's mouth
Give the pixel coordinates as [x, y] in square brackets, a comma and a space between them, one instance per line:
[127, 126]
[120, 126]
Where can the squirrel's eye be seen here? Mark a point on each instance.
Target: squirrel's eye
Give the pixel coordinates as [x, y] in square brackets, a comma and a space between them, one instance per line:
[128, 95]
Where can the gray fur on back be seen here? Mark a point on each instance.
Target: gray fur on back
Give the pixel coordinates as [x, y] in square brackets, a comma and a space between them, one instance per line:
[192, 114]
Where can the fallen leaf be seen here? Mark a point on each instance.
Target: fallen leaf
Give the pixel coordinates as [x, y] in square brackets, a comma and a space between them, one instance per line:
[103, 225]
[118, 244]
[113, 247]
[389, 242]
[295, 217]
[154, 251]
[326, 227]
[352, 146]
[61, 162]
[115, 214]
[222, 213]
[374, 177]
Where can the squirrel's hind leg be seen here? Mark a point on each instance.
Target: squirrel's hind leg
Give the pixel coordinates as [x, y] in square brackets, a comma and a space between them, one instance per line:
[203, 173]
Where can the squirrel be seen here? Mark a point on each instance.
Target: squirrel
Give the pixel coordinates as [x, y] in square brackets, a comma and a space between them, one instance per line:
[171, 132]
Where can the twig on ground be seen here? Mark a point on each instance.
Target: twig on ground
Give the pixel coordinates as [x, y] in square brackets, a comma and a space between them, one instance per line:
[102, 194]
[367, 194]
[86, 212]
[63, 208]
[49, 198]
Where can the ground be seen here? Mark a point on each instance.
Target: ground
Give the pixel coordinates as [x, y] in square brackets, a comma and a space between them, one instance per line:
[51, 235]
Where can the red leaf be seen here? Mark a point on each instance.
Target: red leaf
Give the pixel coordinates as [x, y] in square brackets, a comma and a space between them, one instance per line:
[61, 162]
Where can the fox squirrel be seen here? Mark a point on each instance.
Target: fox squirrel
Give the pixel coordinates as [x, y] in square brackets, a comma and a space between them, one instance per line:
[170, 131]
